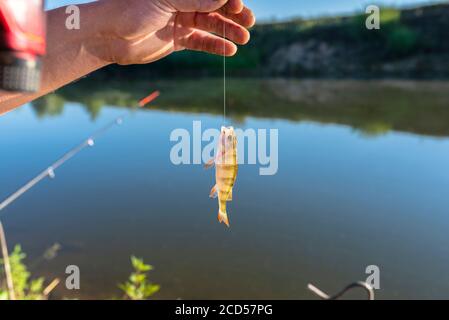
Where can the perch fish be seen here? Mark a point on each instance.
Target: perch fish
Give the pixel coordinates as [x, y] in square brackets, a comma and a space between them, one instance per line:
[226, 168]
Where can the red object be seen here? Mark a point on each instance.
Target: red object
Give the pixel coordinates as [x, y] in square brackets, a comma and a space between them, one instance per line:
[148, 99]
[22, 44]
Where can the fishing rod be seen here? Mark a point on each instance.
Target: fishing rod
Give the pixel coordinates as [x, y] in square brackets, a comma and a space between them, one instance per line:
[89, 142]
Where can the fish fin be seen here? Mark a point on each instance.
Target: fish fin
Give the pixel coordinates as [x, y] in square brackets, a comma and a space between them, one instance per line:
[223, 217]
[229, 196]
[213, 192]
[209, 164]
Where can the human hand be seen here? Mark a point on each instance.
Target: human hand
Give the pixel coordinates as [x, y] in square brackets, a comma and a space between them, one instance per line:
[143, 31]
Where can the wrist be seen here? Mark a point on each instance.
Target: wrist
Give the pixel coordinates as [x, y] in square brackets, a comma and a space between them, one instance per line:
[96, 30]
[89, 40]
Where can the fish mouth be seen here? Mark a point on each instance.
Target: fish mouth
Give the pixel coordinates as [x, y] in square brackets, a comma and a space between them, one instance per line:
[227, 135]
[227, 130]
[223, 128]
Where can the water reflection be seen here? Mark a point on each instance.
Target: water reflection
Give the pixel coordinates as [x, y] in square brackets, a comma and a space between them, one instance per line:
[371, 107]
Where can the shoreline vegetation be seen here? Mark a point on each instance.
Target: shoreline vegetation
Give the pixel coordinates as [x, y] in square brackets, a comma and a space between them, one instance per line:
[372, 107]
[410, 44]
[137, 286]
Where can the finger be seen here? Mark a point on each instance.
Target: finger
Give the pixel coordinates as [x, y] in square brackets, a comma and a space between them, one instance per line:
[245, 18]
[233, 7]
[206, 42]
[215, 23]
[197, 5]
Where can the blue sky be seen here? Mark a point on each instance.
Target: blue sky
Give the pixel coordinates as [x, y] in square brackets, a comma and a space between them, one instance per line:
[266, 9]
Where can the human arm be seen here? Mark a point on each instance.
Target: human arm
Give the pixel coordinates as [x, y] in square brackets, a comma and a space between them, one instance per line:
[134, 32]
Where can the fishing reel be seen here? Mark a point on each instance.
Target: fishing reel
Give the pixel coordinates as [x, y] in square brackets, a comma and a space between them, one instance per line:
[22, 44]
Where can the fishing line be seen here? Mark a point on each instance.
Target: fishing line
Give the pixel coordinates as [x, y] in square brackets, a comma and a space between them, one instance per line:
[224, 72]
[89, 142]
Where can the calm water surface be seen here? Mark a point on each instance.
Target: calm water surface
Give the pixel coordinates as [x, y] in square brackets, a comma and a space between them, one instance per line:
[355, 187]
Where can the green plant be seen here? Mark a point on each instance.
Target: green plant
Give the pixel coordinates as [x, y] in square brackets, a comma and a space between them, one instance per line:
[138, 287]
[24, 288]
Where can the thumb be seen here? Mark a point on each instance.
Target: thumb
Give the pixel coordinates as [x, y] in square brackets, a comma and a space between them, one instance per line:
[197, 5]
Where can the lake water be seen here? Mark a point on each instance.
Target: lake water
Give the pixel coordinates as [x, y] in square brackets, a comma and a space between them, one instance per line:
[363, 180]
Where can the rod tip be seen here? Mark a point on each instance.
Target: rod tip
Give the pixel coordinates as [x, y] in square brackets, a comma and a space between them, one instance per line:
[148, 99]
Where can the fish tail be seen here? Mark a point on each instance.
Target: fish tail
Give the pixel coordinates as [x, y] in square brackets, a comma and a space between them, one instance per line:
[223, 217]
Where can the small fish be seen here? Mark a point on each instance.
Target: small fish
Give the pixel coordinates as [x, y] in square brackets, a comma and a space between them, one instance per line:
[226, 168]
